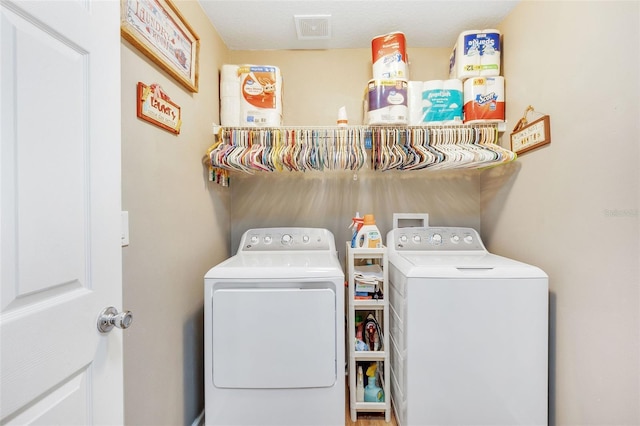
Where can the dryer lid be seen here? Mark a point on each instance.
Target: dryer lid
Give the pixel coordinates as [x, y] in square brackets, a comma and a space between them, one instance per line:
[283, 265]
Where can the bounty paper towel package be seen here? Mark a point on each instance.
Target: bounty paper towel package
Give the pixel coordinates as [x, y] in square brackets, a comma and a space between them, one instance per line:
[386, 102]
[389, 56]
[475, 53]
[250, 95]
[442, 101]
[484, 100]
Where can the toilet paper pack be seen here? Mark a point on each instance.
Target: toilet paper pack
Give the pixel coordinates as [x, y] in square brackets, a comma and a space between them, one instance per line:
[250, 95]
[442, 101]
[386, 102]
[261, 100]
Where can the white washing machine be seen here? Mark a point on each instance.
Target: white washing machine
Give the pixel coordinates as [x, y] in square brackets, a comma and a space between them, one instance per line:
[469, 332]
[274, 331]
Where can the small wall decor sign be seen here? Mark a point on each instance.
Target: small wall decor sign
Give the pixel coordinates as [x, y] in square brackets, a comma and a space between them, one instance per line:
[160, 32]
[157, 108]
[530, 135]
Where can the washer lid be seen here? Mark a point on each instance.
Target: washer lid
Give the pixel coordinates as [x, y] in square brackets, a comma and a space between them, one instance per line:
[455, 265]
[288, 265]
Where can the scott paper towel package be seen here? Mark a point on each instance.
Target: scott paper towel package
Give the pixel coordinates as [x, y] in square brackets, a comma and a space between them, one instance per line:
[484, 100]
[442, 101]
[386, 102]
[475, 53]
[389, 56]
[250, 95]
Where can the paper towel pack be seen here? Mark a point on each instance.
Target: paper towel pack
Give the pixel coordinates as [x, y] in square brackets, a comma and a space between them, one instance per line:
[484, 100]
[475, 53]
[389, 56]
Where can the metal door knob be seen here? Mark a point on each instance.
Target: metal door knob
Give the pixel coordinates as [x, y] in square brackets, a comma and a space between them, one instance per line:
[110, 318]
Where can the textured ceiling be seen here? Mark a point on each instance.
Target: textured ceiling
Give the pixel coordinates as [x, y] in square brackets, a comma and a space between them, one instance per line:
[269, 24]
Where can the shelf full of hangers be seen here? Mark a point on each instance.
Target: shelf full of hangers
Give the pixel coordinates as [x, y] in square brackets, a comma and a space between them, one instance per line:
[381, 148]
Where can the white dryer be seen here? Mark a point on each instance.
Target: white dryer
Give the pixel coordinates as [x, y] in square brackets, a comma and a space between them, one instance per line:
[469, 332]
[274, 331]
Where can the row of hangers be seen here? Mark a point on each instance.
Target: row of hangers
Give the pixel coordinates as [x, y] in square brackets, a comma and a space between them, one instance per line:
[345, 148]
[292, 149]
[449, 147]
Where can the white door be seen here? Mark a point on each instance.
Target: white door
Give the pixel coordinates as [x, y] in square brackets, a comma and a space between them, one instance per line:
[60, 212]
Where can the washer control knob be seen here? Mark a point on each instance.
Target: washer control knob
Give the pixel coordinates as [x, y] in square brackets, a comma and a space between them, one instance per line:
[455, 239]
[286, 239]
[403, 239]
[255, 239]
[267, 239]
[305, 239]
[417, 239]
[468, 239]
[436, 239]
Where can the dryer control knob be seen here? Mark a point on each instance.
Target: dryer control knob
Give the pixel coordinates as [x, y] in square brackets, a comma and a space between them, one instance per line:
[305, 239]
[267, 239]
[404, 239]
[455, 239]
[436, 239]
[286, 239]
[468, 239]
[417, 239]
[255, 239]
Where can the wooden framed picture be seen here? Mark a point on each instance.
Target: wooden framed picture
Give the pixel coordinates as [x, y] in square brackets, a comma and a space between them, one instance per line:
[160, 32]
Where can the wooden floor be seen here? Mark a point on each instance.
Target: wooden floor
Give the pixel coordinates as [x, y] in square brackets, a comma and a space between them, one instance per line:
[365, 419]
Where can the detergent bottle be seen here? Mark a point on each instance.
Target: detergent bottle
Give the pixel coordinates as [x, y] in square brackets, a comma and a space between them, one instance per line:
[356, 224]
[369, 234]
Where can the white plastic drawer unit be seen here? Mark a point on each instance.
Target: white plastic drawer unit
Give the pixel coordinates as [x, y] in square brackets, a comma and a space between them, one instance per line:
[275, 337]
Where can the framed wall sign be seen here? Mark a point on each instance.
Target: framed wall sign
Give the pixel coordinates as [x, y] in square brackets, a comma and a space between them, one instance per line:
[160, 32]
[157, 108]
[529, 135]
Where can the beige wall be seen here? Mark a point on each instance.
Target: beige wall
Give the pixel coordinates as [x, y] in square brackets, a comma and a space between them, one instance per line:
[572, 207]
[179, 228]
[316, 85]
[568, 208]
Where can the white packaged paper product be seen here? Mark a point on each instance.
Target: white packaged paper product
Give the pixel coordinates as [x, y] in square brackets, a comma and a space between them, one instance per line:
[490, 53]
[484, 100]
[466, 56]
[229, 96]
[261, 96]
[230, 111]
[389, 56]
[250, 95]
[387, 101]
[414, 102]
[476, 52]
[442, 101]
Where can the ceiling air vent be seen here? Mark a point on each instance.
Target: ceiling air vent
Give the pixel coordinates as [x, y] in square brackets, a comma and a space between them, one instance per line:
[313, 27]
